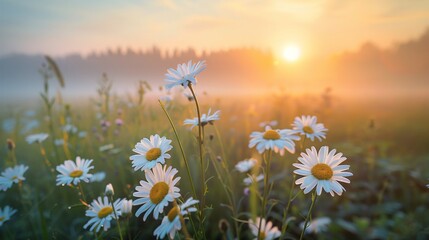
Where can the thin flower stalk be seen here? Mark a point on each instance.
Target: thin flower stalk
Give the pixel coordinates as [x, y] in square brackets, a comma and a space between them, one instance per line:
[181, 149]
[267, 161]
[313, 201]
[116, 217]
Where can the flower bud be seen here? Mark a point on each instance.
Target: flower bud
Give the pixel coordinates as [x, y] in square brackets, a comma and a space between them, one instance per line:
[109, 190]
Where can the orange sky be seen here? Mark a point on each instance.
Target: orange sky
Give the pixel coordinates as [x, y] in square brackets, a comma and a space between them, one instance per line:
[319, 27]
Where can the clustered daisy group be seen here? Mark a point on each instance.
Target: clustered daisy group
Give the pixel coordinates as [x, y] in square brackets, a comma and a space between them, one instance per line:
[157, 195]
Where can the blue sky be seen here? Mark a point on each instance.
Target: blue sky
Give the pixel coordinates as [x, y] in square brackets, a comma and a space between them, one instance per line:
[318, 26]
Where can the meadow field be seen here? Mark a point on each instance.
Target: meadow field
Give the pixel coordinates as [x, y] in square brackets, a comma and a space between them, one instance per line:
[384, 139]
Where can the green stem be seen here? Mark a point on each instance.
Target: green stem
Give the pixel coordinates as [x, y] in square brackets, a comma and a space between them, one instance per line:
[200, 144]
[313, 201]
[81, 192]
[266, 188]
[285, 213]
[181, 149]
[116, 217]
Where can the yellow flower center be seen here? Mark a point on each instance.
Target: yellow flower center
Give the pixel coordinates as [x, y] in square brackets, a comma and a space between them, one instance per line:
[271, 135]
[153, 154]
[104, 212]
[76, 173]
[1, 219]
[308, 129]
[261, 235]
[322, 171]
[158, 192]
[172, 214]
[14, 177]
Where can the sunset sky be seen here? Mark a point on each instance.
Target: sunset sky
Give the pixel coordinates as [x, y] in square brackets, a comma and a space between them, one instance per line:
[318, 27]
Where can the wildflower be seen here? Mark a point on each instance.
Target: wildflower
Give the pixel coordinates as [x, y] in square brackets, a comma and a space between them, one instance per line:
[74, 172]
[119, 122]
[205, 119]
[308, 126]
[267, 232]
[109, 190]
[253, 178]
[126, 207]
[97, 177]
[82, 134]
[104, 123]
[40, 137]
[5, 214]
[12, 175]
[246, 165]
[171, 223]
[317, 225]
[59, 142]
[322, 170]
[150, 152]
[155, 193]
[276, 140]
[184, 74]
[101, 213]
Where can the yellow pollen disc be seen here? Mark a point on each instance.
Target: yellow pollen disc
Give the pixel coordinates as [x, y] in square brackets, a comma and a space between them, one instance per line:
[153, 154]
[158, 192]
[271, 135]
[76, 173]
[322, 171]
[14, 177]
[172, 214]
[1, 219]
[262, 236]
[308, 129]
[104, 212]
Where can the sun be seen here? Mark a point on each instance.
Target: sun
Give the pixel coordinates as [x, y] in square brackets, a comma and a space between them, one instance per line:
[291, 53]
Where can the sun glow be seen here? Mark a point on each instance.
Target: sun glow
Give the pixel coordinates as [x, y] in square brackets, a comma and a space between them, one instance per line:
[291, 53]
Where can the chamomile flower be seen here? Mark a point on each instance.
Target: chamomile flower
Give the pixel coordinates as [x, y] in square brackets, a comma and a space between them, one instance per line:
[246, 165]
[12, 175]
[97, 177]
[101, 213]
[276, 140]
[317, 225]
[171, 223]
[308, 126]
[40, 137]
[322, 170]
[267, 232]
[253, 178]
[5, 214]
[205, 119]
[126, 207]
[155, 193]
[150, 152]
[184, 74]
[74, 172]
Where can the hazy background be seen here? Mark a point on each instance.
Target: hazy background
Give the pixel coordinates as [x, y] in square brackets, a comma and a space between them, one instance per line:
[357, 48]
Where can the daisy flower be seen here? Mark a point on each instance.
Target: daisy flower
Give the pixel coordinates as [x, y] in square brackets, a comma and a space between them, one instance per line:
[155, 193]
[268, 232]
[74, 172]
[101, 213]
[12, 175]
[171, 223]
[249, 180]
[97, 177]
[205, 119]
[40, 137]
[5, 214]
[276, 140]
[308, 126]
[184, 74]
[246, 165]
[322, 170]
[150, 152]
[317, 225]
[126, 207]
